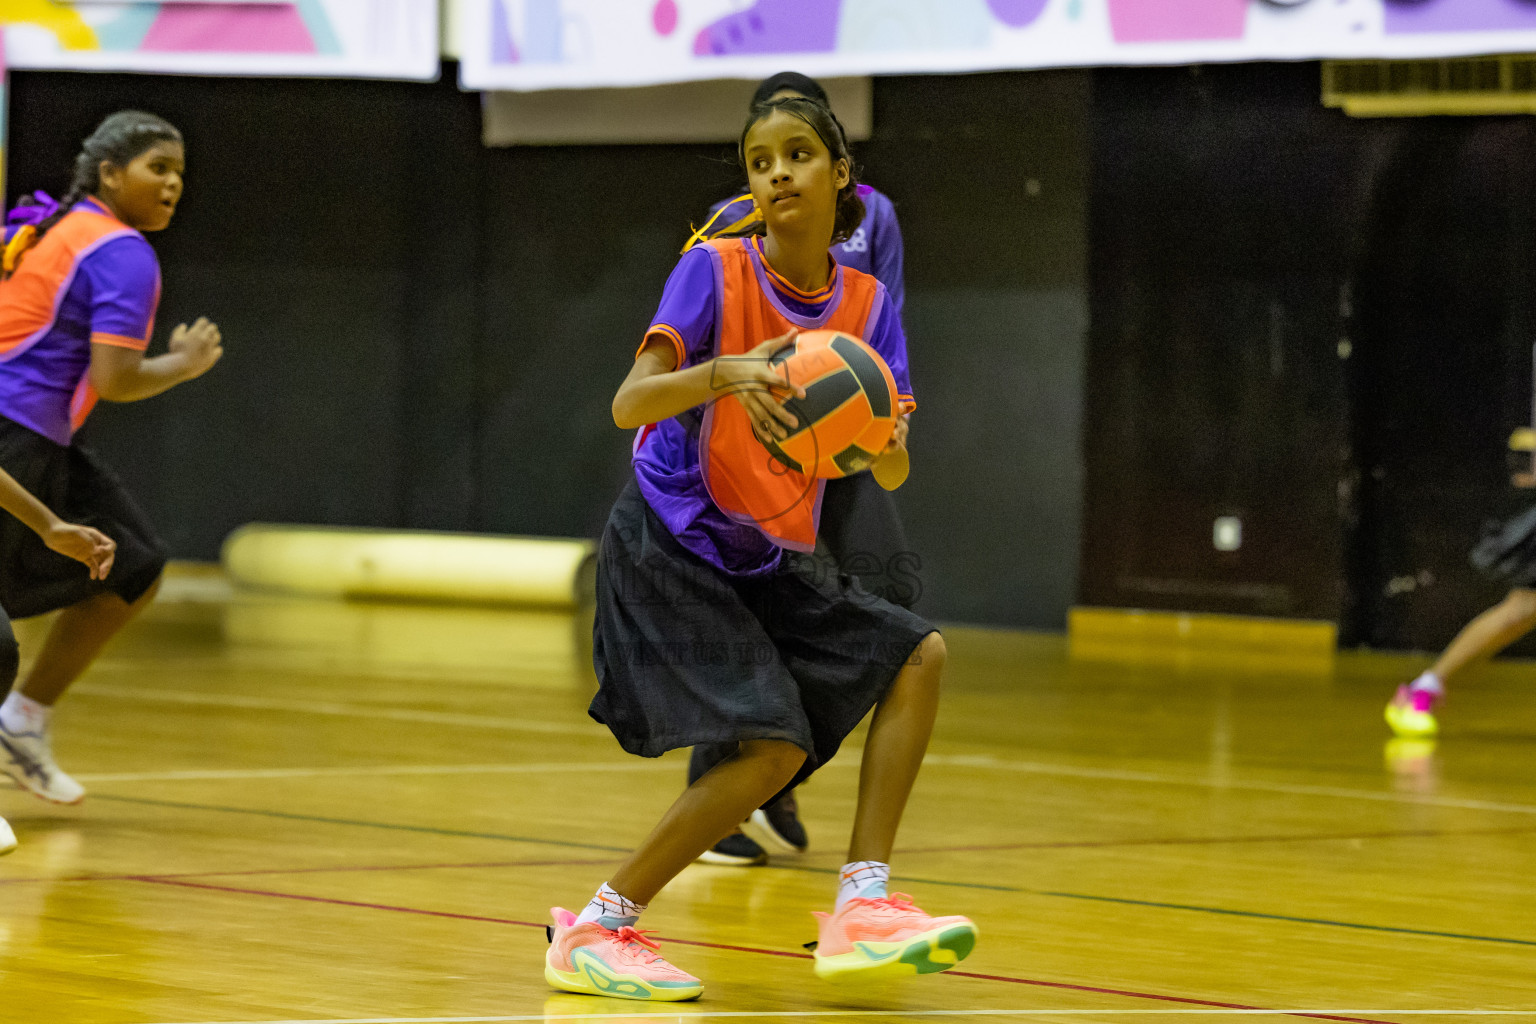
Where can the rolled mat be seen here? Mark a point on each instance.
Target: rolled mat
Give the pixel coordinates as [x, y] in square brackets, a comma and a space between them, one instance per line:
[412, 565]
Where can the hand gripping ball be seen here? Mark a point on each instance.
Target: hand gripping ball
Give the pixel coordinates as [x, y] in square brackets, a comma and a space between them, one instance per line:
[849, 410]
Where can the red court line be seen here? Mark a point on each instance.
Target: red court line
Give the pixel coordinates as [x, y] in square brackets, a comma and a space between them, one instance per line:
[1220, 840]
[332, 901]
[353, 869]
[1067, 986]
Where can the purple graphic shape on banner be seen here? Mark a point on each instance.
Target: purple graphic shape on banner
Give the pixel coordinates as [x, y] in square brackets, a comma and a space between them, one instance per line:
[1016, 13]
[773, 26]
[503, 49]
[1177, 21]
[250, 28]
[1408, 16]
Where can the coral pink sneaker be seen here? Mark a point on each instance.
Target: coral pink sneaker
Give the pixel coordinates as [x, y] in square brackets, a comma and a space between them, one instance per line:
[624, 964]
[887, 938]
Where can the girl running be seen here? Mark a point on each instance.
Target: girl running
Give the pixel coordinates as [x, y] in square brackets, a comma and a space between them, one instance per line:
[860, 527]
[77, 308]
[707, 631]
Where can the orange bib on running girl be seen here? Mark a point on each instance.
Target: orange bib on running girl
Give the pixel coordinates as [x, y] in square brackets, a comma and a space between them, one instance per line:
[742, 479]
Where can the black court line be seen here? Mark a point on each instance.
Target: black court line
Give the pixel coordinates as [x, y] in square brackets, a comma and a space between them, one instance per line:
[1089, 897]
[357, 823]
[1315, 837]
[1328, 922]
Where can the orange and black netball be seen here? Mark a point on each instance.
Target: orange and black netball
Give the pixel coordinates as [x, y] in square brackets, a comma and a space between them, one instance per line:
[849, 410]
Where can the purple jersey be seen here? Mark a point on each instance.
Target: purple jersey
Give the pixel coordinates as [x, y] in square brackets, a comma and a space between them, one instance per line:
[92, 280]
[875, 247]
[666, 455]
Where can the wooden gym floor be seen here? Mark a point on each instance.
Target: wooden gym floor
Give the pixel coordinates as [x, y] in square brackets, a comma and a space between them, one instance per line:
[327, 812]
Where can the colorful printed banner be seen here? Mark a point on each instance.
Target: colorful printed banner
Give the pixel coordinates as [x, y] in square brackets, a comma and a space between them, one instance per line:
[318, 38]
[540, 44]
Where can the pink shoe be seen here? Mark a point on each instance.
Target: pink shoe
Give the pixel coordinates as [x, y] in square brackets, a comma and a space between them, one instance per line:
[889, 937]
[1410, 713]
[624, 964]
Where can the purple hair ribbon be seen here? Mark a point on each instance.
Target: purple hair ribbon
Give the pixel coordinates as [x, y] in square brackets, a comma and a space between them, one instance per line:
[40, 209]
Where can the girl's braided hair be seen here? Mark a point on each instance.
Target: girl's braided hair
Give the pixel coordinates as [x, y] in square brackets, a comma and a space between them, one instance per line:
[119, 140]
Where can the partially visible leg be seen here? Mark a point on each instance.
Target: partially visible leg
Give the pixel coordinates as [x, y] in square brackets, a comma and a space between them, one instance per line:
[864, 538]
[707, 810]
[10, 661]
[598, 952]
[1410, 713]
[1488, 634]
[10, 653]
[893, 753]
[75, 639]
[73, 642]
[871, 934]
[736, 848]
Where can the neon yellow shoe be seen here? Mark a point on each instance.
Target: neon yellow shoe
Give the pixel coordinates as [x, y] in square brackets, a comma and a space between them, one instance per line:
[1410, 714]
[888, 938]
[624, 964]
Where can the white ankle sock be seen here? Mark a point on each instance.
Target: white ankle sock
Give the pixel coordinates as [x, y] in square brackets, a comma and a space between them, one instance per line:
[1430, 682]
[864, 879]
[611, 910]
[21, 713]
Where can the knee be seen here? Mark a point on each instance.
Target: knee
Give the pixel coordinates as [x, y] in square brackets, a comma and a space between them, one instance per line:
[1520, 606]
[779, 759]
[932, 653]
[920, 677]
[925, 666]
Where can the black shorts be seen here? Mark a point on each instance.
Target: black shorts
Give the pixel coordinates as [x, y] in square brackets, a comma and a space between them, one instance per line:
[79, 489]
[860, 535]
[687, 654]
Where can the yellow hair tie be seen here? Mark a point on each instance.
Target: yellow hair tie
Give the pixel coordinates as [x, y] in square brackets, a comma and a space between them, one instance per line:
[709, 231]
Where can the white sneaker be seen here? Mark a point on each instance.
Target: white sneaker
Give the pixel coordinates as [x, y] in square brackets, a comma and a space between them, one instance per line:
[27, 758]
[7, 838]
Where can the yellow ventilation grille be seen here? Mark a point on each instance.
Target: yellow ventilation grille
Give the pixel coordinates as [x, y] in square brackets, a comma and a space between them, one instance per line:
[1421, 88]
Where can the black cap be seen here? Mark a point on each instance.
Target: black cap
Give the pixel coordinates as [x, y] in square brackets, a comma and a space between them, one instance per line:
[794, 81]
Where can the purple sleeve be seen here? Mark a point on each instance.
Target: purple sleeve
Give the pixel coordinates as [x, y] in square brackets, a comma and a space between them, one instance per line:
[687, 310]
[890, 341]
[124, 276]
[886, 251]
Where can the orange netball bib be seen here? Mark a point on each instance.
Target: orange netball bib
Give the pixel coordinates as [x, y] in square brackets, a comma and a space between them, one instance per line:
[742, 478]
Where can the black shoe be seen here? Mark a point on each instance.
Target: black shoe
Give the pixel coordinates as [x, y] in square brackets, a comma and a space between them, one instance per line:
[778, 825]
[736, 850]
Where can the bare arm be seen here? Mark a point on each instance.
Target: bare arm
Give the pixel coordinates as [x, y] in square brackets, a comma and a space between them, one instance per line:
[655, 390]
[81, 543]
[126, 375]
